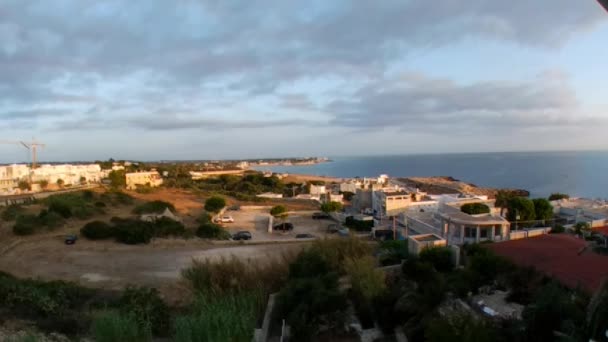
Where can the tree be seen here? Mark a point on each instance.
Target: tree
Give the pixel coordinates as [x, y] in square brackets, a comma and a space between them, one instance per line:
[278, 211]
[83, 180]
[502, 200]
[597, 316]
[117, 179]
[520, 209]
[44, 183]
[543, 209]
[558, 196]
[581, 227]
[475, 208]
[439, 257]
[331, 207]
[60, 182]
[215, 204]
[24, 185]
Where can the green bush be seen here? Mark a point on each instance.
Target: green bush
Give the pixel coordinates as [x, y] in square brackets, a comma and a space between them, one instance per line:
[215, 204]
[61, 208]
[50, 219]
[368, 282]
[165, 226]
[392, 252]
[212, 231]
[278, 211]
[120, 197]
[558, 229]
[154, 207]
[111, 326]
[97, 230]
[11, 212]
[331, 207]
[439, 257]
[26, 224]
[83, 212]
[100, 204]
[337, 251]
[133, 232]
[148, 309]
[360, 226]
[205, 217]
[475, 208]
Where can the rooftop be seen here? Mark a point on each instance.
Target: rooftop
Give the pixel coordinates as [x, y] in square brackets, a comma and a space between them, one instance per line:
[559, 256]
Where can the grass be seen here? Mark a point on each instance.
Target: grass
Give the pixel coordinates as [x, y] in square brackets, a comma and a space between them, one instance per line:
[337, 251]
[111, 326]
[230, 317]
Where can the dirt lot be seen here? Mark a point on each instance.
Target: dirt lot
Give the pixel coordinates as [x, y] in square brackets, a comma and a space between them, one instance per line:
[256, 222]
[106, 264]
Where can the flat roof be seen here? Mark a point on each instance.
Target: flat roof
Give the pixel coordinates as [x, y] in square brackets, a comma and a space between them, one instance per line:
[460, 217]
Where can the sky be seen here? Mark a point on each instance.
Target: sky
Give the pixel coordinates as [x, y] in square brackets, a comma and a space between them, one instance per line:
[222, 79]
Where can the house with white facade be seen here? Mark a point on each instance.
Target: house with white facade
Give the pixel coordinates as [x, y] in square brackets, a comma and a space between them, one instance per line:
[317, 190]
[391, 201]
[576, 210]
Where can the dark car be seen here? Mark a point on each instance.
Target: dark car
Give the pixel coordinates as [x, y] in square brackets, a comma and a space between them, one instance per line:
[320, 216]
[70, 239]
[283, 226]
[244, 235]
[305, 236]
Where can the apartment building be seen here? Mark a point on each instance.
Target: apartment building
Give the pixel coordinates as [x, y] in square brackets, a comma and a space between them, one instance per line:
[393, 201]
[150, 178]
[10, 175]
[68, 173]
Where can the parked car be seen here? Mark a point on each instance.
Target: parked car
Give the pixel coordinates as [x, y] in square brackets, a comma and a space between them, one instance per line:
[305, 236]
[285, 226]
[333, 228]
[343, 231]
[224, 219]
[70, 239]
[242, 235]
[320, 216]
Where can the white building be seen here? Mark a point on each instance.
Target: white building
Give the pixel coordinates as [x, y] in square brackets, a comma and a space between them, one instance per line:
[575, 210]
[70, 174]
[10, 175]
[392, 201]
[317, 190]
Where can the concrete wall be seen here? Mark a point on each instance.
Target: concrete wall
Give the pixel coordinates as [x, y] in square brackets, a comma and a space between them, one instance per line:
[523, 234]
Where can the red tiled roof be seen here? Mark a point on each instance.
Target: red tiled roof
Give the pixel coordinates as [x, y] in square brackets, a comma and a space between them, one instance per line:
[557, 255]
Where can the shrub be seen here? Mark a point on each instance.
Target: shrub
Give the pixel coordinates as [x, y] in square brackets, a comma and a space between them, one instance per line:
[543, 209]
[26, 224]
[11, 212]
[133, 232]
[558, 229]
[308, 303]
[212, 231]
[165, 226]
[337, 251]
[97, 230]
[83, 212]
[439, 257]
[50, 219]
[215, 204]
[581, 228]
[278, 211]
[60, 208]
[148, 309]
[153, 207]
[331, 207]
[122, 198]
[230, 317]
[367, 281]
[111, 326]
[205, 217]
[475, 208]
[308, 264]
[100, 204]
[88, 195]
[392, 252]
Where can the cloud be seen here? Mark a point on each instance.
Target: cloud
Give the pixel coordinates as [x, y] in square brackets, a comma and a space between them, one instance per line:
[421, 101]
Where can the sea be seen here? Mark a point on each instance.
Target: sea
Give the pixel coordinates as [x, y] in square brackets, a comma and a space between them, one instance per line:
[579, 174]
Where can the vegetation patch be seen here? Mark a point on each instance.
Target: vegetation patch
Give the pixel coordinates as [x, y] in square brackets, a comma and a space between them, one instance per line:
[358, 225]
[11, 212]
[154, 207]
[475, 208]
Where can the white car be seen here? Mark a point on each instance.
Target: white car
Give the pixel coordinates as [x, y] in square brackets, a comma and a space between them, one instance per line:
[226, 219]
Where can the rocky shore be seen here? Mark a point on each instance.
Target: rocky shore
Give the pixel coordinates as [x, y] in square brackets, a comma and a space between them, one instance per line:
[442, 185]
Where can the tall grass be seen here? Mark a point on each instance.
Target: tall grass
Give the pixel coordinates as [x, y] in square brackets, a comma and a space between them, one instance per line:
[230, 317]
[111, 326]
[337, 251]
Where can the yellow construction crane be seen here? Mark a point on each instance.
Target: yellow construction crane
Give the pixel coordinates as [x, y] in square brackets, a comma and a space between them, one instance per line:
[32, 146]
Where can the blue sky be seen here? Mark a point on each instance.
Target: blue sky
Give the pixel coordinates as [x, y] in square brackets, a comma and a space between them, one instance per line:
[207, 79]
